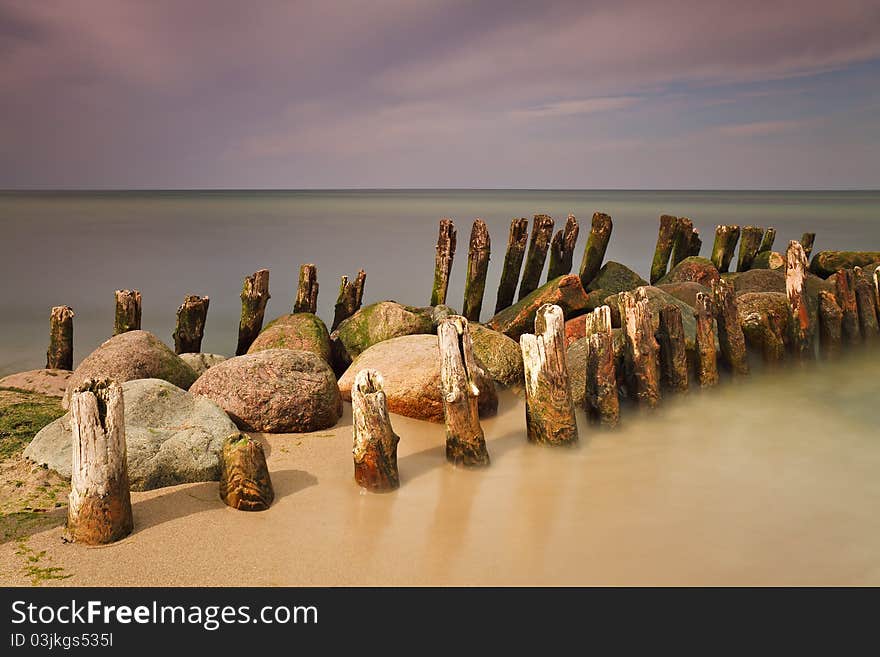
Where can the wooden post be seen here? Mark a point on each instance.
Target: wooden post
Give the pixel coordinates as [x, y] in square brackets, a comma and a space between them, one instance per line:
[191, 316]
[244, 476]
[768, 260]
[641, 349]
[663, 249]
[867, 306]
[696, 243]
[830, 324]
[478, 266]
[254, 297]
[128, 311]
[99, 508]
[351, 293]
[807, 242]
[307, 292]
[542, 231]
[801, 325]
[375, 443]
[465, 442]
[706, 356]
[673, 353]
[844, 290]
[749, 244]
[443, 261]
[876, 277]
[59, 356]
[562, 249]
[513, 257]
[767, 241]
[602, 404]
[726, 238]
[550, 416]
[730, 334]
[598, 321]
[681, 244]
[597, 244]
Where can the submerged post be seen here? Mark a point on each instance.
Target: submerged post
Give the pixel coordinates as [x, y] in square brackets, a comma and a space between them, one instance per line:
[696, 243]
[375, 443]
[443, 261]
[244, 476]
[478, 266]
[844, 290]
[254, 297]
[351, 293]
[602, 404]
[513, 257]
[726, 238]
[730, 333]
[59, 356]
[749, 244]
[673, 353]
[830, 324]
[128, 311]
[681, 243]
[99, 508]
[767, 241]
[562, 249]
[190, 329]
[807, 242]
[801, 324]
[307, 291]
[867, 306]
[641, 349]
[706, 356]
[663, 249]
[597, 244]
[542, 230]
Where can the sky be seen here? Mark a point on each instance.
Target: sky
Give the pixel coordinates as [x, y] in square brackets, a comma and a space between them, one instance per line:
[641, 94]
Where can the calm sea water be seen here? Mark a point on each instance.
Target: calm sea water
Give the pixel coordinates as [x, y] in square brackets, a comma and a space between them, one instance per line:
[77, 248]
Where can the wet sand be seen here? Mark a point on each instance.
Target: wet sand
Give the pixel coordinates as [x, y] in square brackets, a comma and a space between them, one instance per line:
[770, 482]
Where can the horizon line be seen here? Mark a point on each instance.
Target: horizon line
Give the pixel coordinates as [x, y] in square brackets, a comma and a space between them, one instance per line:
[429, 189]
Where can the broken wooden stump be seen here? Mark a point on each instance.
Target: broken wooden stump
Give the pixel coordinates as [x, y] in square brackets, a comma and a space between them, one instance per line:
[375, 443]
[641, 349]
[706, 356]
[597, 244]
[726, 238]
[663, 249]
[696, 243]
[866, 304]
[478, 266]
[128, 311]
[190, 329]
[465, 442]
[807, 242]
[844, 290]
[307, 290]
[513, 257]
[602, 404]
[443, 261]
[673, 353]
[830, 324]
[59, 355]
[244, 476]
[802, 329]
[767, 241]
[749, 243]
[542, 231]
[562, 249]
[254, 297]
[99, 508]
[730, 334]
[351, 293]
[550, 416]
[681, 242]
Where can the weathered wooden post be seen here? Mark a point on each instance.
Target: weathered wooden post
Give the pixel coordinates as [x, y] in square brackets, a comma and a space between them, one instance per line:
[748, 246]
[478, 266]
[513, 257]
[844, 290]
[807, 242]
[128, 311]
[542, 231]
[768, 260]
[550, 416]
[726, 238]
[465, 442]
[867, 306]
[190, 329]
[673, 353]
[443, 261]
[351, 293]
[99, 508]
[597, 244]
[663, 249]
[641, 348]
[681, 242]
[801, 324]
[602, 403]
[254, 297]
[307, 291]
[59, 356]
[375, 443]
[730, 333]
[244, 476]
[562, 249]
[876, 277]
[696, 243]
[767, 241]
[706, 356]
[830, 324]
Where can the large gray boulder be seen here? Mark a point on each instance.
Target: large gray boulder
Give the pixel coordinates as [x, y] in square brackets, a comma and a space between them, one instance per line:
[172, 436]
[298, 331]
[201, 362]
[501, 356]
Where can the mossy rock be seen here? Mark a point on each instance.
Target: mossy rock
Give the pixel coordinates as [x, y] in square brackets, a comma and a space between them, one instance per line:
[686, 291]
[299, 331]
[576, 358]
[564, 291]
[695, 269]
[22, 415]
[501, 357]
[759, 280]
[825, 263]
[614, 278]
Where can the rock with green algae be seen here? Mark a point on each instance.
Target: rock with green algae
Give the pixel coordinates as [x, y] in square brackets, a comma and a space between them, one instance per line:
[695, 269]
[564, 291]
[501, 356]
[22, 415]
[826, 263]
[298, 331]
[686, 291]
[614, 278]
[764, 317]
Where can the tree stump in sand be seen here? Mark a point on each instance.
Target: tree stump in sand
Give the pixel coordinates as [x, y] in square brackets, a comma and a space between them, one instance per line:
[801, 325]
[244, 476]
[513, 257]
[867, 306]
[128, 311]
[730, 333]
[844, 290]
[254, 297]
[602, 404]
[465, 442]
[641, 349]
[681, 243]
[351, 293]
[673, 353]
[767, 241]
[191, 316]
[706, 356]
[663, 249]
[726, 238]
[375, 443]
[478, 267]
[542, 231]
[99, 508]
[597, 244]
[562, 249]
[443, 261]
[807, 242]
[307, 291]
[550, 418]
[830, 324]
[749, 243]
[59, 356]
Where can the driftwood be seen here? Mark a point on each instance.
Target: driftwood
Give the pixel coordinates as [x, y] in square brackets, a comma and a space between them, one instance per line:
[696, 243]
[513, 257]
[673, 353]
[99, 508]
[59, 356]
[830, 324]
[601, 399]
[681, 244]
[749, 244]
[443, 261]
[597, 244]
[190, 329]
[375, 443]
[807, 242]
[550, 416]
[767, 241]
[307, 291]
[867, 306]
[641, 349]
[726, 238]
[844, 290]
[254, 297]
[351, 293]
[706, 356]
[562, 249]
[128, 311]
[244, 476]
[802, 329]
[478, 266]
[730, 334]
[663, 249]
[465, 442]
[542, 231]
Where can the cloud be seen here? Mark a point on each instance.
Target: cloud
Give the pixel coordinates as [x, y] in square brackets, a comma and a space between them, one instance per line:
[763, 128]
[575, 107]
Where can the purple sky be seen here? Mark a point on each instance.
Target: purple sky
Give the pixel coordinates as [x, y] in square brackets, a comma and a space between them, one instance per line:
[606, 94]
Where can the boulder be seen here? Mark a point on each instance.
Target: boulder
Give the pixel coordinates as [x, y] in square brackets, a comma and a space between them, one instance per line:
[132, 355]
[614, 278]
[201, 362]
[759, 280]
[685, 291]
[299, 331]
[52, 383]
[826, 263]
[657, 298]
[565, 291]
[501, 356]
[768, 260]
[764, 317]
[378, 322]
[275, 390]
[694, 269]
[172, 436]
[576, 357]
[575, 329]
[410, 366]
